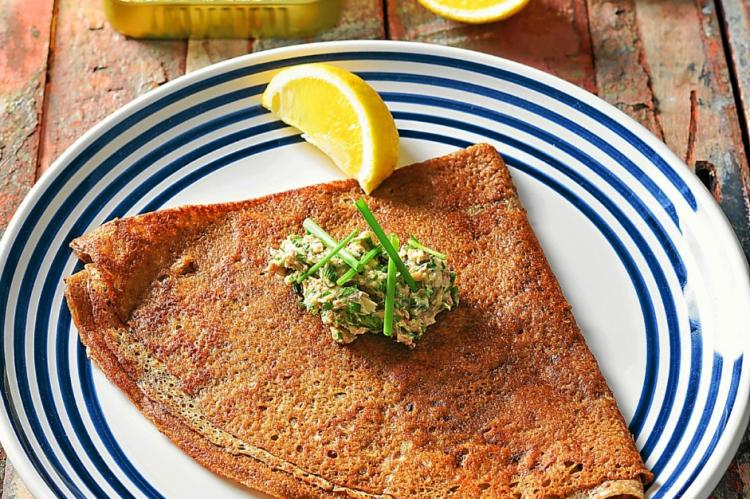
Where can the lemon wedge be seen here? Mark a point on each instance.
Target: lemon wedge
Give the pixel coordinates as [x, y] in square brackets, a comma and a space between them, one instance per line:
[475, 11]
[341, 115]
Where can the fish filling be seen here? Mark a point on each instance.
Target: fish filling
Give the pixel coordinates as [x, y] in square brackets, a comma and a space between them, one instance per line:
[352, 305]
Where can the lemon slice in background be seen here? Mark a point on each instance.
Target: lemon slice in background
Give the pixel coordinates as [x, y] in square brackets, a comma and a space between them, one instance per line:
[475, 11]
[340, 114]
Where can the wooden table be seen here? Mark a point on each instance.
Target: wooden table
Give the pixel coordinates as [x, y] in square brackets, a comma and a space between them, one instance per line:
[680, 67]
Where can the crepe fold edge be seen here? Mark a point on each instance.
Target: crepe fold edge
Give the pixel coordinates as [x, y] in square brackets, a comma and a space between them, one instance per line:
[101, 298]
[100, 330]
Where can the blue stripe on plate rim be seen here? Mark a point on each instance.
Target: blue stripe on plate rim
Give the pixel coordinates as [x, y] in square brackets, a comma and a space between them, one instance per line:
[383, 55]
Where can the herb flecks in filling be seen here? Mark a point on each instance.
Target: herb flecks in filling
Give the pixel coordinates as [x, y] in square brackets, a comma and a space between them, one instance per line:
[356, 304]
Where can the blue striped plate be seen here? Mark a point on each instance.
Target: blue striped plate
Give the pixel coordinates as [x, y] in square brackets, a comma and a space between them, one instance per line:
[654, 273]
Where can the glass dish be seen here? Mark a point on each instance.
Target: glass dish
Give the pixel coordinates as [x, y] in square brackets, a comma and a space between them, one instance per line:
[221, 18]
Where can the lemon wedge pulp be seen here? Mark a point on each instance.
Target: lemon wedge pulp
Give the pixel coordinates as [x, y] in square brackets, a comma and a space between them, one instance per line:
[339, 113]
[475, 11]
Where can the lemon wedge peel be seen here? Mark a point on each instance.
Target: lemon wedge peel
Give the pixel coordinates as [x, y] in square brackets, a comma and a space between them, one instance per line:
[377, 135]
[453, 10]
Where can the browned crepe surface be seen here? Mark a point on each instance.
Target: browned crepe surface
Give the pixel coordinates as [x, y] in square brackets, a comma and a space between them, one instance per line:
[501, 398]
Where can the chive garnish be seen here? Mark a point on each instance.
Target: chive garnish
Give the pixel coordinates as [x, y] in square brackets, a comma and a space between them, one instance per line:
[414, 243]
[390, 292]
[362, 262]
[318, 232]
[338, 248]
[387, 246]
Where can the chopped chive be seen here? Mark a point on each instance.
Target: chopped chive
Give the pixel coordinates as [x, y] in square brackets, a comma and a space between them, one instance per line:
[387, 246]
[362, 262]
[328, 273]
[328, 256]
[318, 232]
[390, 292]
[414, 243]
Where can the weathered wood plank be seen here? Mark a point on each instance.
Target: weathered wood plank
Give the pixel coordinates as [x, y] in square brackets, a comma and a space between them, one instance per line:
[202, 53]
[622, 73]
[735, 484]
[696, 106]
[3, 467]
[736, 18]
[551, 35]
[663, 63]
[95, 70]
[13, 487]
[24, 38]
[360, 20]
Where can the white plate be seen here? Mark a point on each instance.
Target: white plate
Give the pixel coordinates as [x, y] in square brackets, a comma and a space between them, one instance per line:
[655, 275]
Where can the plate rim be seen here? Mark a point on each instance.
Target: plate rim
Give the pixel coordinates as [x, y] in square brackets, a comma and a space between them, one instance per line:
[704, 200]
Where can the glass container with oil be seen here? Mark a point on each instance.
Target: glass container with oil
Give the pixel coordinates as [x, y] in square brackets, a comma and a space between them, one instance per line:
[221, 18]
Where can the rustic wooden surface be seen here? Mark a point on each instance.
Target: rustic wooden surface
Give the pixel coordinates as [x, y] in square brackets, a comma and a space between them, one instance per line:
[735, 20]
[24, 38]
[679, 67]
[93, 70]
[735, 16]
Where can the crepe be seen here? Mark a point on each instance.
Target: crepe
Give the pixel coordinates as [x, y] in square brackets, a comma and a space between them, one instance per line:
[501, 398]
